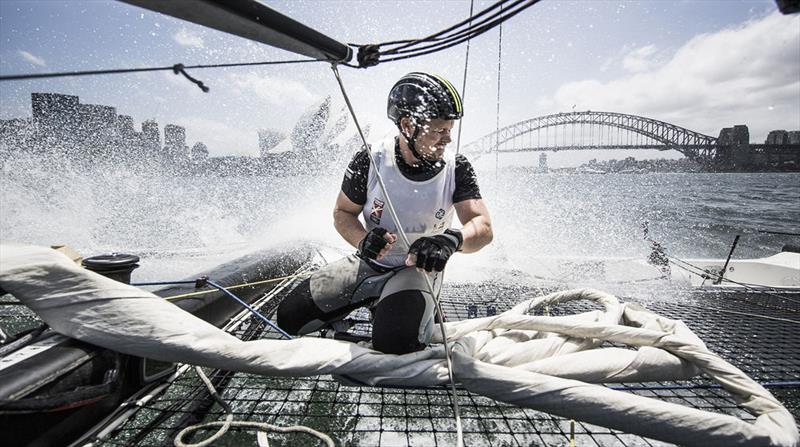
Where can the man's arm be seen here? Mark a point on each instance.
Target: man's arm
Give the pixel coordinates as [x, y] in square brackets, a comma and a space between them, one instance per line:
[345, 220]
[477, 231]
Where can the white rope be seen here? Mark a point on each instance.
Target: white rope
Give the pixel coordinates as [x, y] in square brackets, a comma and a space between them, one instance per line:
[404, 239]
[262, 428]
[225, 425]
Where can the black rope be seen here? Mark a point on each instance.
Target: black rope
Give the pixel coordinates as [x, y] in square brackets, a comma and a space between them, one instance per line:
[449, 37]
[497, 115]
[471, 22]
[180, 68]
[468, 20]
[464, 81]
[456, 40]
[177, 69]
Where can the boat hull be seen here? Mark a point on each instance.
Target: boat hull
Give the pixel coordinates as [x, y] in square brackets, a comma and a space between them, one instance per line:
[780, 271]
[53, 388]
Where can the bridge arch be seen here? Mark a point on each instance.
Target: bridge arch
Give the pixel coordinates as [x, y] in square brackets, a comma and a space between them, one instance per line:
[665, 135]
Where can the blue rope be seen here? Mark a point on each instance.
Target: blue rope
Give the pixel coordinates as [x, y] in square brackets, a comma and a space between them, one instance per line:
[226, 292]
[250, 308]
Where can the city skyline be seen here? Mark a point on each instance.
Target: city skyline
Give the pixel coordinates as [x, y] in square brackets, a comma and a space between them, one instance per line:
[62, 124]
[700, 65]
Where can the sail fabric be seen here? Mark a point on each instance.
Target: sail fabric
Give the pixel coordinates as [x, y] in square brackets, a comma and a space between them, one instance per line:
[547, 363]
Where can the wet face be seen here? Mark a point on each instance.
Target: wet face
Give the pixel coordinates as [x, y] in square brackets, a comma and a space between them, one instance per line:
[432, 138]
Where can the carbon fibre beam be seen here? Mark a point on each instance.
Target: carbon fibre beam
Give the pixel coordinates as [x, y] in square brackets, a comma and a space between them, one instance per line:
[253, 21]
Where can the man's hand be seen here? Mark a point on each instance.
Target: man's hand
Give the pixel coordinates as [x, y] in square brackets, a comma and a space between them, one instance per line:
[431, 253]
[376, 244]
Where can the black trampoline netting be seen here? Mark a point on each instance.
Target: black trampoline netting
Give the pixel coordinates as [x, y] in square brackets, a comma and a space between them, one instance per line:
[757, 332]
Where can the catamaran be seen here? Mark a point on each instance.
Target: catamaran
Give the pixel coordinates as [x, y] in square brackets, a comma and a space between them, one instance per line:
[111, 363]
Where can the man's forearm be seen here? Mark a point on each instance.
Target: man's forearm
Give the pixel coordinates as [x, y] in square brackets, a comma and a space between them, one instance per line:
[477, 234]
[349, 227]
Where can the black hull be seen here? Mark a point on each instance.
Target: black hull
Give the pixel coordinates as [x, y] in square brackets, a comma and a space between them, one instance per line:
[54, 396]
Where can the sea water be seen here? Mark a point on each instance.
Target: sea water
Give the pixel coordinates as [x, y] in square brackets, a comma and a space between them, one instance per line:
[577, 229]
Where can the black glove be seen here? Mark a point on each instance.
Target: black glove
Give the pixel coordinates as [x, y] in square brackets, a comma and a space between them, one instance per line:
[372, 244]
[434, 251]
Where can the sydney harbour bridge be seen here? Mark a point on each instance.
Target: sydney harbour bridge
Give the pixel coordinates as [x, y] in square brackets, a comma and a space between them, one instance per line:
[591, 130]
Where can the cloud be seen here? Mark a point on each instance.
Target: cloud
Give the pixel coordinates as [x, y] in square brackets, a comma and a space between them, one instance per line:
[276, 91]
[746, 74]
[188, 39]
[32, 59]
[639, 59]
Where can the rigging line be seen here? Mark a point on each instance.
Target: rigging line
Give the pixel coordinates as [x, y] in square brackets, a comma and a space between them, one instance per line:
[251, 309]
[139, 400]
[482, 25]
[420, 52]
[404, 239]
[435, 35]
[146, 69]
[205, 292]
[464, 82]
[497, 116]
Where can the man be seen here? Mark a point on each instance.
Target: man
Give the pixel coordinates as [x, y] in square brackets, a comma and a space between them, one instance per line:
[426, 186]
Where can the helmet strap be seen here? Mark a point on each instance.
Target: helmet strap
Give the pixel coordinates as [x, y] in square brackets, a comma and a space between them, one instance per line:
[413, 147]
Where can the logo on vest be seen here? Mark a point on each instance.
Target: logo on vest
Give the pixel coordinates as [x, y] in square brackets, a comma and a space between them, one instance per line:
[377, 212]
[440, 213]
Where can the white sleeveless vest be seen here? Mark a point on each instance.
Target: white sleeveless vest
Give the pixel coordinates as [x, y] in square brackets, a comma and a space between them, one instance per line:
[425, 208]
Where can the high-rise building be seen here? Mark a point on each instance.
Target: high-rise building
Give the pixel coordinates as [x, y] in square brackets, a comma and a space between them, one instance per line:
[777, 137]
[150, 132]
[174, 136]
[175, 141]
[738, 134]
[97, 124]
[52, 108]
[125, 127]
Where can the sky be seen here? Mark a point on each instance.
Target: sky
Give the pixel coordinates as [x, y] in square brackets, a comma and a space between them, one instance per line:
[699, 64]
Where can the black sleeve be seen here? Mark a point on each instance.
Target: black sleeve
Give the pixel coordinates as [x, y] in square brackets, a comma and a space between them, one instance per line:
[354, 184]
[466, 181]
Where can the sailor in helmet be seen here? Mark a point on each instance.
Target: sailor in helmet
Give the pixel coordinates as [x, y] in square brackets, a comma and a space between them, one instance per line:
[427, 185]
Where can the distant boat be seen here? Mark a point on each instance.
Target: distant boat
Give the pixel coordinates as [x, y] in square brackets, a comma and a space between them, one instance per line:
[779, 271]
